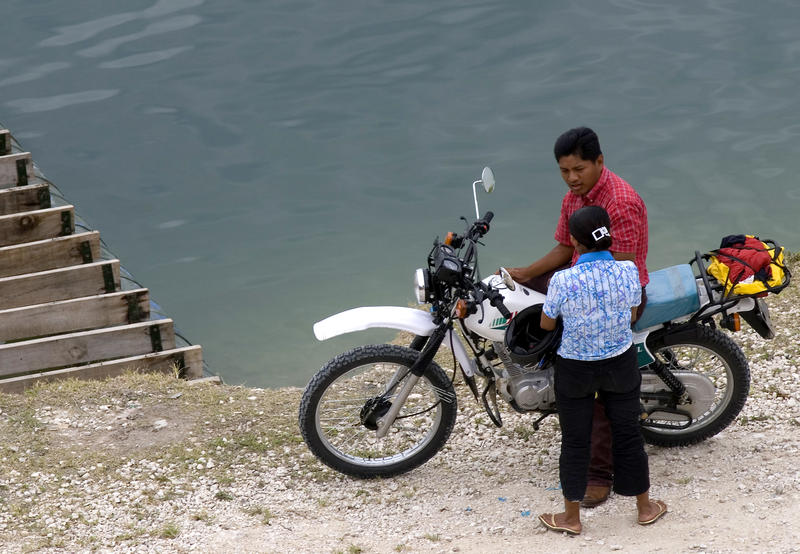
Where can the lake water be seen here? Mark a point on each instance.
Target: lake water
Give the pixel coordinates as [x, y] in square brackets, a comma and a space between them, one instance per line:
[262, 164]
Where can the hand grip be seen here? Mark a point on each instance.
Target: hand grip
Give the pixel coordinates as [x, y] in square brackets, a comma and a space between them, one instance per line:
[496, 300]
[503, 310]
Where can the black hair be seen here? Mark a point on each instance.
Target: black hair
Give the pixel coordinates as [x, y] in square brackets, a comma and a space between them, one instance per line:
[591, 227]
[580, 141]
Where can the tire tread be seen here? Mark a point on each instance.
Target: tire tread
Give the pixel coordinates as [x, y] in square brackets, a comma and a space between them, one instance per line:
[725, 347]
[343, 363]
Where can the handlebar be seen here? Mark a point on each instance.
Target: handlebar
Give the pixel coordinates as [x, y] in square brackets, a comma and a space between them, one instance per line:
[495, 299]
[498, 303]
[481, 227]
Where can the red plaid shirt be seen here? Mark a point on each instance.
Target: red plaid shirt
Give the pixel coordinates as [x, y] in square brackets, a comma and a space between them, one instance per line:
[627, 212]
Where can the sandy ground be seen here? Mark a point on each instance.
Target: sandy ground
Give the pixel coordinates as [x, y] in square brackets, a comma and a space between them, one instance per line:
[736, 492]
[223, 469]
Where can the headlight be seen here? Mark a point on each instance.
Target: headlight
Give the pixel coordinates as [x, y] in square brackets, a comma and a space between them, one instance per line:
[421, 281]
[447, 267]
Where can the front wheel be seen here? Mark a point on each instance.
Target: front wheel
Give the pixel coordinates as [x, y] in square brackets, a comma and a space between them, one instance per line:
[366, 380]
[715, 373]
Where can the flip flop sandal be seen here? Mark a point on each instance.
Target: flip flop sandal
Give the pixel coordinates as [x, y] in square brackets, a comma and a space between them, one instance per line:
[662, 509]
[552, 524]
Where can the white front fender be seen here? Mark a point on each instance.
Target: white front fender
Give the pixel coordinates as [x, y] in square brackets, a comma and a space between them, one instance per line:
[390, 317]
[370, 317]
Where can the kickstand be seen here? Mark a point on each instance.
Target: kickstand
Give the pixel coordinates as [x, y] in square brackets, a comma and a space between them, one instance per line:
[494, 414]
[538, 421]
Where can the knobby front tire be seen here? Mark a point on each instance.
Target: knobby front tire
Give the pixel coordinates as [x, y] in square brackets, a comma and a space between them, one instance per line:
[332, 402]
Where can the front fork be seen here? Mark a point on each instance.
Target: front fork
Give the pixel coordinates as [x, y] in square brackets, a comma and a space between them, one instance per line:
[418, 342]
[431, 346]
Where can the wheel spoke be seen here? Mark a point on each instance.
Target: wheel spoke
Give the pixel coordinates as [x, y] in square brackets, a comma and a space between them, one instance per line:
[356, 391]
[716, 377]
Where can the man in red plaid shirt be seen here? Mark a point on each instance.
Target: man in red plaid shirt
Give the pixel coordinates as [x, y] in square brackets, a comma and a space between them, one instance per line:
[590, 183]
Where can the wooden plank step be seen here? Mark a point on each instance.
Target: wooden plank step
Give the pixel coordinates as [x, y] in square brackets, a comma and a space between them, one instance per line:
[67, 316]
[32, 257]
[60, 351]
[5, 142]
[24, 199]
[36, 225]
[59, 284]
[190, 358]
[16, 169]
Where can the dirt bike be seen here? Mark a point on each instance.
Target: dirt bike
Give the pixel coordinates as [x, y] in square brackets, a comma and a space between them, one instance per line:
[381, 410]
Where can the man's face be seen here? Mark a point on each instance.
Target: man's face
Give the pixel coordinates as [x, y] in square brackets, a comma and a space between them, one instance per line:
[580, 175]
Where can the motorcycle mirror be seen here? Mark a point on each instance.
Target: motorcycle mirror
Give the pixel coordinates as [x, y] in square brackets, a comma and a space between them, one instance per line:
[487, 176]
[487, 180]
[507, 280]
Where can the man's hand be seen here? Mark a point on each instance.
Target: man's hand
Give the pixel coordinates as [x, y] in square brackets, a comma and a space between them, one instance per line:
[559, 256]
[520, 274]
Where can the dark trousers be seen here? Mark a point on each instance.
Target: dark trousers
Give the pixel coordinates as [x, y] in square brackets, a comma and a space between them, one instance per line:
[616, 382]
[601, 465]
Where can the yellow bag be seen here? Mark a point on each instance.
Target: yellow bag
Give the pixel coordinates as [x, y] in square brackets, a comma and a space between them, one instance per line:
[728, 268]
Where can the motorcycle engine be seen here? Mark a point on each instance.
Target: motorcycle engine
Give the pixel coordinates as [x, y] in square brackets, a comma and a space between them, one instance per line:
[524, 387]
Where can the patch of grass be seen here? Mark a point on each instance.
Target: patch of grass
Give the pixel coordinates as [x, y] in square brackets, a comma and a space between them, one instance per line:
[169, 531]
[203, 516]
[761, 417]
[262, 512]
[524, 432]
[97, 436]
[133, 534]
[217, 442]
[223, 495]
[253, 442]
[26, 419]
[772, 389]
[432, 537]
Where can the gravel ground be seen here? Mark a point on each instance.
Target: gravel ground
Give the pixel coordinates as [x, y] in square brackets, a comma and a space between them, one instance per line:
[153, 464]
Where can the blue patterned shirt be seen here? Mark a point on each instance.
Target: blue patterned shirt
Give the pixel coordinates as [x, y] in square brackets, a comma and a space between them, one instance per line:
[594, 297]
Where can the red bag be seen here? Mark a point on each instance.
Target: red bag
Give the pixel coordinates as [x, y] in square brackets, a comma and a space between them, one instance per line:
[745, 259]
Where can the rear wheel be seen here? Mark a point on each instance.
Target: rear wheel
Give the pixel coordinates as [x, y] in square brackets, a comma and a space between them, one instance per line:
[716, 375]
[344, 400]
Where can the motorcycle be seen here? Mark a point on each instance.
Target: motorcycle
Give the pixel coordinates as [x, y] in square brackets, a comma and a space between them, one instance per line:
[382, 410]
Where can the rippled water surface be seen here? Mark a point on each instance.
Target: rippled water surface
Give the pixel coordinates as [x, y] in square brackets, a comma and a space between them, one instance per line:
[260, 165]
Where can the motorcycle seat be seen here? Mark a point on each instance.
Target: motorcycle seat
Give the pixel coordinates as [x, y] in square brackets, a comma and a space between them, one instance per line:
[671, 293]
